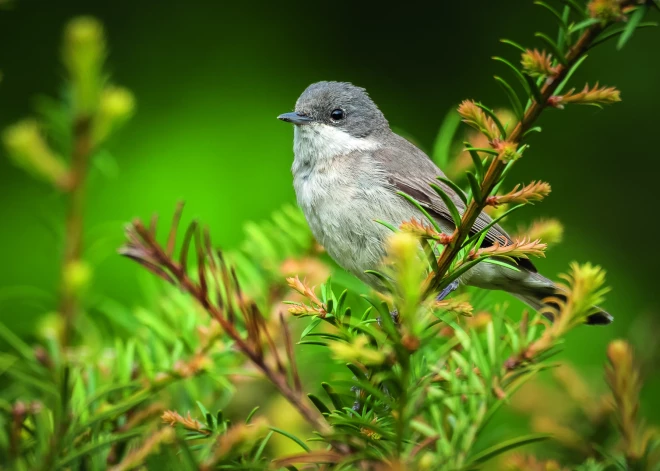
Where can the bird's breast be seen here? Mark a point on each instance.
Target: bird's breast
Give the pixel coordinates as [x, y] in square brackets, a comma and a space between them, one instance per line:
[342, 202]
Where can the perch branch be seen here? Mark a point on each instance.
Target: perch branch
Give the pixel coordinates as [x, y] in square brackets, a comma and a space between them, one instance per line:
[498, 165]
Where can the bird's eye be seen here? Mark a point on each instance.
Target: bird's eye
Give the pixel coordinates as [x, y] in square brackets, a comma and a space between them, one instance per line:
[337, 114]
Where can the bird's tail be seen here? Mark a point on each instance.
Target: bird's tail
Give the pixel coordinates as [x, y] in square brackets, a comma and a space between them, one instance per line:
[539, 294]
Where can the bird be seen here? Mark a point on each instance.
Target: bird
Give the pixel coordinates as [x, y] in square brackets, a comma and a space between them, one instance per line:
[348, 168]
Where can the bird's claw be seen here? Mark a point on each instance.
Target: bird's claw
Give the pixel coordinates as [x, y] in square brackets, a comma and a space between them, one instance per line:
[393, 314]
[448, 289]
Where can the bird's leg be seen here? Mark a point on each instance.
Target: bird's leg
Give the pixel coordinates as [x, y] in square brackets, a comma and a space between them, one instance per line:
[443, 294]
[448, 289]
[393, 314]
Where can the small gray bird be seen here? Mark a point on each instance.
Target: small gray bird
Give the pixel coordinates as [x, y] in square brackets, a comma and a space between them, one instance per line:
[347, 169]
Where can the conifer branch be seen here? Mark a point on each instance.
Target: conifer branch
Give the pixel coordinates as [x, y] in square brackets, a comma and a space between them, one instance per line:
[222, 299]
[514, 139]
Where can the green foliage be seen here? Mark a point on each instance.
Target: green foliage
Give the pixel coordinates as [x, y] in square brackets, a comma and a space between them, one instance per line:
[418, 380]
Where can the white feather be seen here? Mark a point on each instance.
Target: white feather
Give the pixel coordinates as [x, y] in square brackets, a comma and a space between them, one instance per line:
[321, 142]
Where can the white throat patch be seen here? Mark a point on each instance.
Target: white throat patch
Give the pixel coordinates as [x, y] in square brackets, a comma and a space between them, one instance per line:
[316, 143]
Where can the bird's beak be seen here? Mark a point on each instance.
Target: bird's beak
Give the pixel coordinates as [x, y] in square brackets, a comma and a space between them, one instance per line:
[295, 118]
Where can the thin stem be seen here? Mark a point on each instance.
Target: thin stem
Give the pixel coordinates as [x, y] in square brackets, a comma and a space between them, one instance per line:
[74, 222]
[82, 147]
[497, 166]
[402, 421]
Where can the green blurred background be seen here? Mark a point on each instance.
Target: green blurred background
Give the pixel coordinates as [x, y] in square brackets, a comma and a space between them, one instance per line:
[211, 77]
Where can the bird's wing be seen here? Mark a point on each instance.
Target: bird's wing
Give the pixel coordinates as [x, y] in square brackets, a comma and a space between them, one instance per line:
[411, 171]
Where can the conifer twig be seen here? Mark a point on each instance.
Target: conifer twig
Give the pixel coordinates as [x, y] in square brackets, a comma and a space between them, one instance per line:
[497, 166]
[143, 247]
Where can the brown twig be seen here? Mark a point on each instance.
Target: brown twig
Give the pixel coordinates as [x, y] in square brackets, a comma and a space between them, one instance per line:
[290, 355]
[498, 165]
[143, 247]
[428, 441]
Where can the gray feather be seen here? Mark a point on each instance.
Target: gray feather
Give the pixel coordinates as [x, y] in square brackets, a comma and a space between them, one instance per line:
[410, 170]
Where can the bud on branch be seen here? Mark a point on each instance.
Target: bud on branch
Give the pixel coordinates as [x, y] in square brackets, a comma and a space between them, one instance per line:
[576, 300]
[28, 149]
[83, 53]
[476, 117]
[173, 418]
[549, 231]
[606, 10]
[535, 191]
[588, 96]
[538, 63]
[623, 379]
[523, 248]
[300, 309]
[508, 151]
[424, 231]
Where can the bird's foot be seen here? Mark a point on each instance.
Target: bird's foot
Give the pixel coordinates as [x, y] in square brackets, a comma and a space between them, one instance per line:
[448, 289]
[393, 314]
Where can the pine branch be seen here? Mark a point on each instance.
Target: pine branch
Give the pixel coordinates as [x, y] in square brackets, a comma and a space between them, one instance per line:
[143, 247]
[497, 166]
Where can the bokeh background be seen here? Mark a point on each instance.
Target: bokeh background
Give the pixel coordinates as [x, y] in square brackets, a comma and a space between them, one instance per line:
[211, 77]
